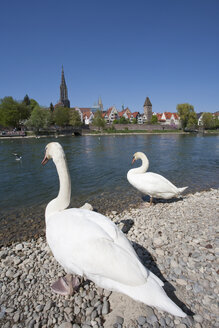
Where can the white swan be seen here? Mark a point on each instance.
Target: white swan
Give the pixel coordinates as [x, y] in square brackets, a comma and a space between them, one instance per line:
[89, 244]
[152, 184]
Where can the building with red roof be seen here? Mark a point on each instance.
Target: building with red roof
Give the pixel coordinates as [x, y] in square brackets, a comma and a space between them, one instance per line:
[168, 118]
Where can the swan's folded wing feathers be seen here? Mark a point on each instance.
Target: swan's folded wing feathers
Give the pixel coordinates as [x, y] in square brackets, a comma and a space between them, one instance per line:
[82, 243]
[154, 183]
[106, 259]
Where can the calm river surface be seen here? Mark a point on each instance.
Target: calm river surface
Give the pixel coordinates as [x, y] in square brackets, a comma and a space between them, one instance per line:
[98, 166]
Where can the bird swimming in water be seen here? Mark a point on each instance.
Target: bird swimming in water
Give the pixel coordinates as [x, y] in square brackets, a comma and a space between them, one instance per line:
[17, 157]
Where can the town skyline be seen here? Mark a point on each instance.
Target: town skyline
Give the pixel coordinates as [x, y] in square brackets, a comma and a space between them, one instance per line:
[121, 51]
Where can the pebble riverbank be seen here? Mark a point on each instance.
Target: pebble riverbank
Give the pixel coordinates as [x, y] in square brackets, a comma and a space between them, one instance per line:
[176, 240]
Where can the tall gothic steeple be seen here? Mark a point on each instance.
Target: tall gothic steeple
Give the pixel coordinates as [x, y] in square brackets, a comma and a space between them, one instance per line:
[64, 91]
[100, 103]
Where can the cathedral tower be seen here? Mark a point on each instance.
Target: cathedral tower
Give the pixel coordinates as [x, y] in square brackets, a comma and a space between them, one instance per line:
[64, 92]
[100, 103]
[148, 110]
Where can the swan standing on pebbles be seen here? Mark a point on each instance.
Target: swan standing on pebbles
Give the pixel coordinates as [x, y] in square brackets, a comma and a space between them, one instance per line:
[152, 184]
[89, 244]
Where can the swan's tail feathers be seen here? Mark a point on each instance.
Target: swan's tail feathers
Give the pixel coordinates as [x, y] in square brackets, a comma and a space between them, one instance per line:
[169, 306]
[160, 300]
[153, 294]
[182, 189]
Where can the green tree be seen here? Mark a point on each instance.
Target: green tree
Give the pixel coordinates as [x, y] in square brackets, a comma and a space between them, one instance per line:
[74, 118]
[61, 116]
[12, 112]
[134, 121]
[98, 120]
[154, 119]
[123, 120]
[39, 118]
[216, 121]
[116, 122]
[192, 121]
[185, 111]
[208, 121]
[33, 104]
[26, 100]
[51, 107]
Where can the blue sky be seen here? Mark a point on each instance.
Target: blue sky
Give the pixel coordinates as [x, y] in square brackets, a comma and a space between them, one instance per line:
[120, 50]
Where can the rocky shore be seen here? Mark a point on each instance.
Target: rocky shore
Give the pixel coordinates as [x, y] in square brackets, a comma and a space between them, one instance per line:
[175, 240]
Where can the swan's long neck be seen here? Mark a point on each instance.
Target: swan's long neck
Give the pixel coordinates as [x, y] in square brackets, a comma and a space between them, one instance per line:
[143, 168]
[62, 201]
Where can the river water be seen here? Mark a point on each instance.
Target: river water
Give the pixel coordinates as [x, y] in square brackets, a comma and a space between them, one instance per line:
[98, 166]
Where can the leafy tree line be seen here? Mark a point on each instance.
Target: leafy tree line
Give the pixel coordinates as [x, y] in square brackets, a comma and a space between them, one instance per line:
[187, 116]
[14, 114]
[29, 113]
[60, 116]
[210, 121]
[189, 119]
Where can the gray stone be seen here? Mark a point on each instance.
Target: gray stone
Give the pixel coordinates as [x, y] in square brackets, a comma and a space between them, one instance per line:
[177, 271]
[198, 318]
[10, 273]
[181, 282]
[17, 260]
[168, 321]
[39, 307]
[76, 310]
[162, 322]
[106, 307]
[66, 325]
[19, 247]
[141, 320]
[197, 288]
[89, 310]
[16, 317]
[48, 306]
[152, 319]
[31, 323]
[93, 315]
[68, 310]
[119, 320]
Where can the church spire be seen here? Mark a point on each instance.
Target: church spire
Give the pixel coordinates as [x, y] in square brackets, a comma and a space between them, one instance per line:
[64, 91]
[100, 103]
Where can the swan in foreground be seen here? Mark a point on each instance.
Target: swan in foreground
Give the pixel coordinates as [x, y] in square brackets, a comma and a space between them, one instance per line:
[89, 244]
[152, 184]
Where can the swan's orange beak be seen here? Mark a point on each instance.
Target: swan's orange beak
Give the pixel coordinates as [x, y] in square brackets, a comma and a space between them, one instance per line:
[45, 160]
[133, 160]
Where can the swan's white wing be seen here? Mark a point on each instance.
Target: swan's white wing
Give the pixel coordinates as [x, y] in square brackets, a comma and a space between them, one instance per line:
[152, 183]
[88, 243]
